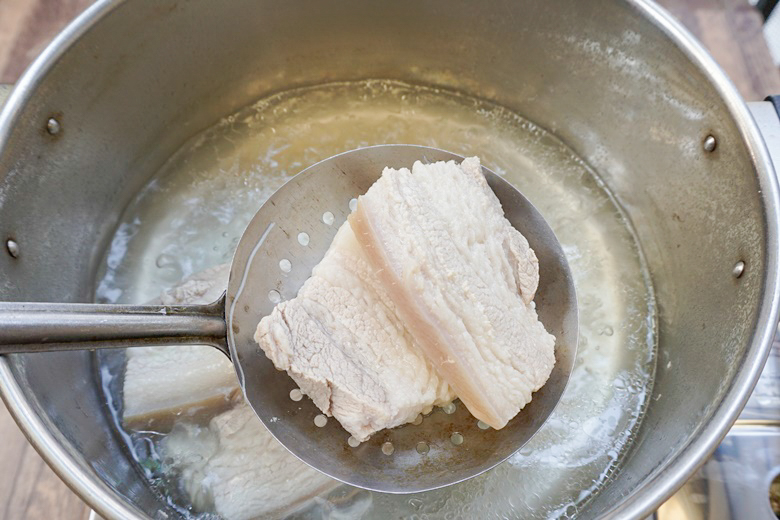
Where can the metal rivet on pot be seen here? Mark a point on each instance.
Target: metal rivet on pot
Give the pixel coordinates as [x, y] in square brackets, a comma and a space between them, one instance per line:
[12, 247]
[53, 126]
[710, 144]
[739, 269]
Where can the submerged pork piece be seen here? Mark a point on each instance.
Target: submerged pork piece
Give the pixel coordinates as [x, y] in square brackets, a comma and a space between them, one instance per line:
[162, 384]
[456, 283]
[226, 460]
[236, 467]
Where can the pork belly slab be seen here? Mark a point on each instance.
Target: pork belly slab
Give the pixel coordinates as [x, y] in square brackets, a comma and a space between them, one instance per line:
[426, 293]
[343, 343]
[225, 459]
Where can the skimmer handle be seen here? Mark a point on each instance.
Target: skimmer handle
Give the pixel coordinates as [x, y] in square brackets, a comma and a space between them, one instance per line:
[43, 327]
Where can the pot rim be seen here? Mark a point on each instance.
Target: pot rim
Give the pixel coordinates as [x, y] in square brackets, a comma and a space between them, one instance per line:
[667, 480]
[94, 491]
[106, 502]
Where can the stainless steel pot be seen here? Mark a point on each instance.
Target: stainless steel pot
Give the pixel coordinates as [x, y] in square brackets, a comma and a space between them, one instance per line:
[620, 82]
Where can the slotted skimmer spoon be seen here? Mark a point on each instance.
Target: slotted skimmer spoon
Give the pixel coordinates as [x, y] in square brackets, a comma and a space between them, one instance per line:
[284, 241]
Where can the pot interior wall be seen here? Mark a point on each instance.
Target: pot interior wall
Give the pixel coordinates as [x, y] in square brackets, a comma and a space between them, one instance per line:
[598, 74]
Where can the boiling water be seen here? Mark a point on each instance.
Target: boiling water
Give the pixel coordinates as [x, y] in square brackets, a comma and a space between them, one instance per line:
[191, 215]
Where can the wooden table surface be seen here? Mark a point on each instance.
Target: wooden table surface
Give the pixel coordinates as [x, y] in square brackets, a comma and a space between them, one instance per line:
[29, 490]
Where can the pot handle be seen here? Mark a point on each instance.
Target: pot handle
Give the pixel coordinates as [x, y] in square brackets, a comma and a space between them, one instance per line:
[44, 327]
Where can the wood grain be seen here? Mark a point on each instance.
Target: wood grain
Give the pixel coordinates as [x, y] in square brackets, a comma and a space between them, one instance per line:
[27, 26]
[29, 490]
[731, 30]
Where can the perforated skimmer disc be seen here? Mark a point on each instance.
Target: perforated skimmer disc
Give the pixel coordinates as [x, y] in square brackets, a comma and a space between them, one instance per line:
[282, 244]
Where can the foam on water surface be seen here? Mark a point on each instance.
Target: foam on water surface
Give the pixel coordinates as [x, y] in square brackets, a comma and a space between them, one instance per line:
[191, 215]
